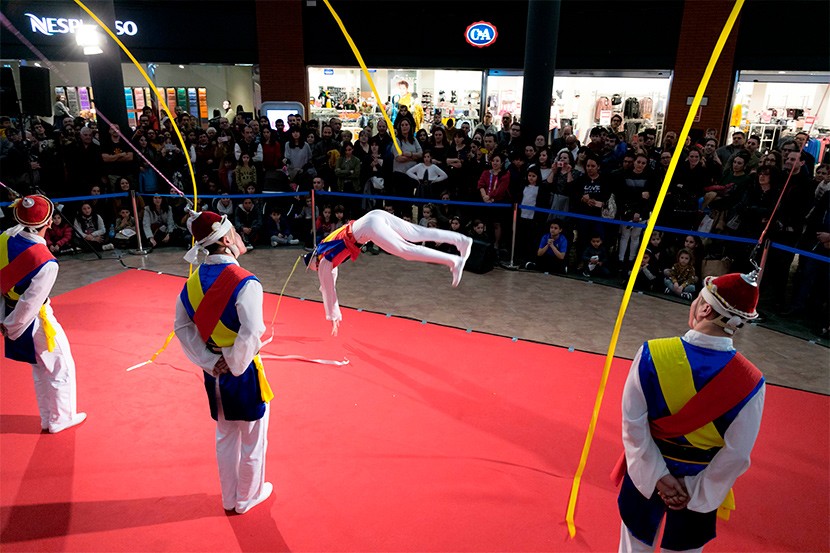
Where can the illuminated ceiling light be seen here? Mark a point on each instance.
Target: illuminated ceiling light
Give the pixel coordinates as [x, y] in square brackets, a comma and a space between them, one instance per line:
[782, 72]
[37, 64]
[87, 36]
[181, 66]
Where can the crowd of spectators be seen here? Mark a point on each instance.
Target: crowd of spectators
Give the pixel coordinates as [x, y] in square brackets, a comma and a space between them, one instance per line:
[721, 189]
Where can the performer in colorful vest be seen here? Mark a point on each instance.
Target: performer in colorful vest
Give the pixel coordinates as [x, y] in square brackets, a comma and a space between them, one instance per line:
[691, 412]
[219, 324]
[395, 236]
[28, 271]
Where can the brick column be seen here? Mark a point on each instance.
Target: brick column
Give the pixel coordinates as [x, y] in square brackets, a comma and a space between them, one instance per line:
[282, 70]
[702, 23]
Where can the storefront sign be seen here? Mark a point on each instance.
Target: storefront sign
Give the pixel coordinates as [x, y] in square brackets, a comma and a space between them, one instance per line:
[809, 121]
[51, 26]
[481, 34]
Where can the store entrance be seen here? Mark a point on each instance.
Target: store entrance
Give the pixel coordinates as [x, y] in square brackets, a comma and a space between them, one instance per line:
[584, 99]
[775, 105]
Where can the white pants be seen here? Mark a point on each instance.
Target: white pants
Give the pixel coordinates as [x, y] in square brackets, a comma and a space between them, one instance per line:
[630, 544]
[397, 237]
[54, 376]
[629, 236]
[240, 453]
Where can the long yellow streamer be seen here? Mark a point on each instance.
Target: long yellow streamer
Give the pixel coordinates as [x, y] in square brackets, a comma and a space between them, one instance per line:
[161, 102]
[707, 74]
[366, 74]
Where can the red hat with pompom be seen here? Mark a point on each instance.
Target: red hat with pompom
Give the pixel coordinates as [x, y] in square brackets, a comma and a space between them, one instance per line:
[734, 296]
[33, 211]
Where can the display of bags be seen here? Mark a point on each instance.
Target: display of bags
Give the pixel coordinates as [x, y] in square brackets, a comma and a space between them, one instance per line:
[632, 108]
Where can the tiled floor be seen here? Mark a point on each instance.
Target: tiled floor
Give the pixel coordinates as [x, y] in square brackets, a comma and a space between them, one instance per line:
[530, 306]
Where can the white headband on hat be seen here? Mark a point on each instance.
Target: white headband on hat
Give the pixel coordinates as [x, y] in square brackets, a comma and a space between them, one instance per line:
[729, 320]
[224, 227]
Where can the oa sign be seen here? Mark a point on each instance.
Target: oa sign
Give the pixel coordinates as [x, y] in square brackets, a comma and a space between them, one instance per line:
[481, 34]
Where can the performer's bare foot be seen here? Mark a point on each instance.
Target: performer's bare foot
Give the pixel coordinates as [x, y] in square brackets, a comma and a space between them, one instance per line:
[335, 327]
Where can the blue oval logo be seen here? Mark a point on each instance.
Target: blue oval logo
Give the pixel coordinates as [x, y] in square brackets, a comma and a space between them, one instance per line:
[481, 34]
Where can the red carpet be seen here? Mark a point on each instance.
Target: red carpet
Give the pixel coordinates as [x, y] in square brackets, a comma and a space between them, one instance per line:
[432, 439]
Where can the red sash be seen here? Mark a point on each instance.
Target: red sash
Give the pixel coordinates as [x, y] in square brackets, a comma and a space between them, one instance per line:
[26, 261]
[216, 299]
[726, 390]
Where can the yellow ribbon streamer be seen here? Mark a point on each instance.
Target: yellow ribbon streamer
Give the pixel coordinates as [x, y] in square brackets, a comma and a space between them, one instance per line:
[264, 388]
[48, 329]
[161, 102]
[586, 448]
[366, 74]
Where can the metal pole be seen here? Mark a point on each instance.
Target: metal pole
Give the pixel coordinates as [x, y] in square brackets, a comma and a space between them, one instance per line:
[140, 250]
[763, 262]
[513, 240]
[313, 219]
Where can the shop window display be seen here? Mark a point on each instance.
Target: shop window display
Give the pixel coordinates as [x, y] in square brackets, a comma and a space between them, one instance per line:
[584, 102]
[345, 93]
[776, 105]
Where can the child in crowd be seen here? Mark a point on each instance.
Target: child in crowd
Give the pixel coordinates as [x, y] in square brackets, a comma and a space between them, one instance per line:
[91, 227]
[427, 215]
[655, 244]
[551, 256]
[125, 229]
[227, 175]
[325, 223]
[224, 205]
[535, 193]
[648, 275]
[251, 191]
[594, 258]
[483, 256]
[680, 279]
[248, 222]
[277, 230]
[339, 216]
[245, 173]
[59, 235]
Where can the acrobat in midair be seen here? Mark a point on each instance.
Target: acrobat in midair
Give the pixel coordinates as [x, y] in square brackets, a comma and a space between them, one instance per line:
[395, 236]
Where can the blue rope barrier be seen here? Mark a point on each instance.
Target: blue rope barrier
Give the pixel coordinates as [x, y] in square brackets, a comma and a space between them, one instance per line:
[79, 198]
[234, 196]
[801, 253]
[408, 199]
[563, 214]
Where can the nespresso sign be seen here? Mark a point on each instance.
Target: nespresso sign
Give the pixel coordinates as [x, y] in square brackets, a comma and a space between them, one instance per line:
[51, 26]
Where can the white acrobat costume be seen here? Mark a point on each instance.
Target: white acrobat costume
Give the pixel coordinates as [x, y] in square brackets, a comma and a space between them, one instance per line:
[395, 236]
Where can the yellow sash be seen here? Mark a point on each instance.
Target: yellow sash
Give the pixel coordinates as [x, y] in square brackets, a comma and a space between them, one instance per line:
[677, 385]
[48, 329]
[224, 337]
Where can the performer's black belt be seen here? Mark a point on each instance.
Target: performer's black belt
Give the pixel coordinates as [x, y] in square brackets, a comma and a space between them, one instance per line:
[213, 348]
[680, 452]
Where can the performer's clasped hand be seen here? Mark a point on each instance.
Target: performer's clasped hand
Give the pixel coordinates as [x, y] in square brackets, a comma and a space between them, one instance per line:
[221, 366]
[673, 492]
